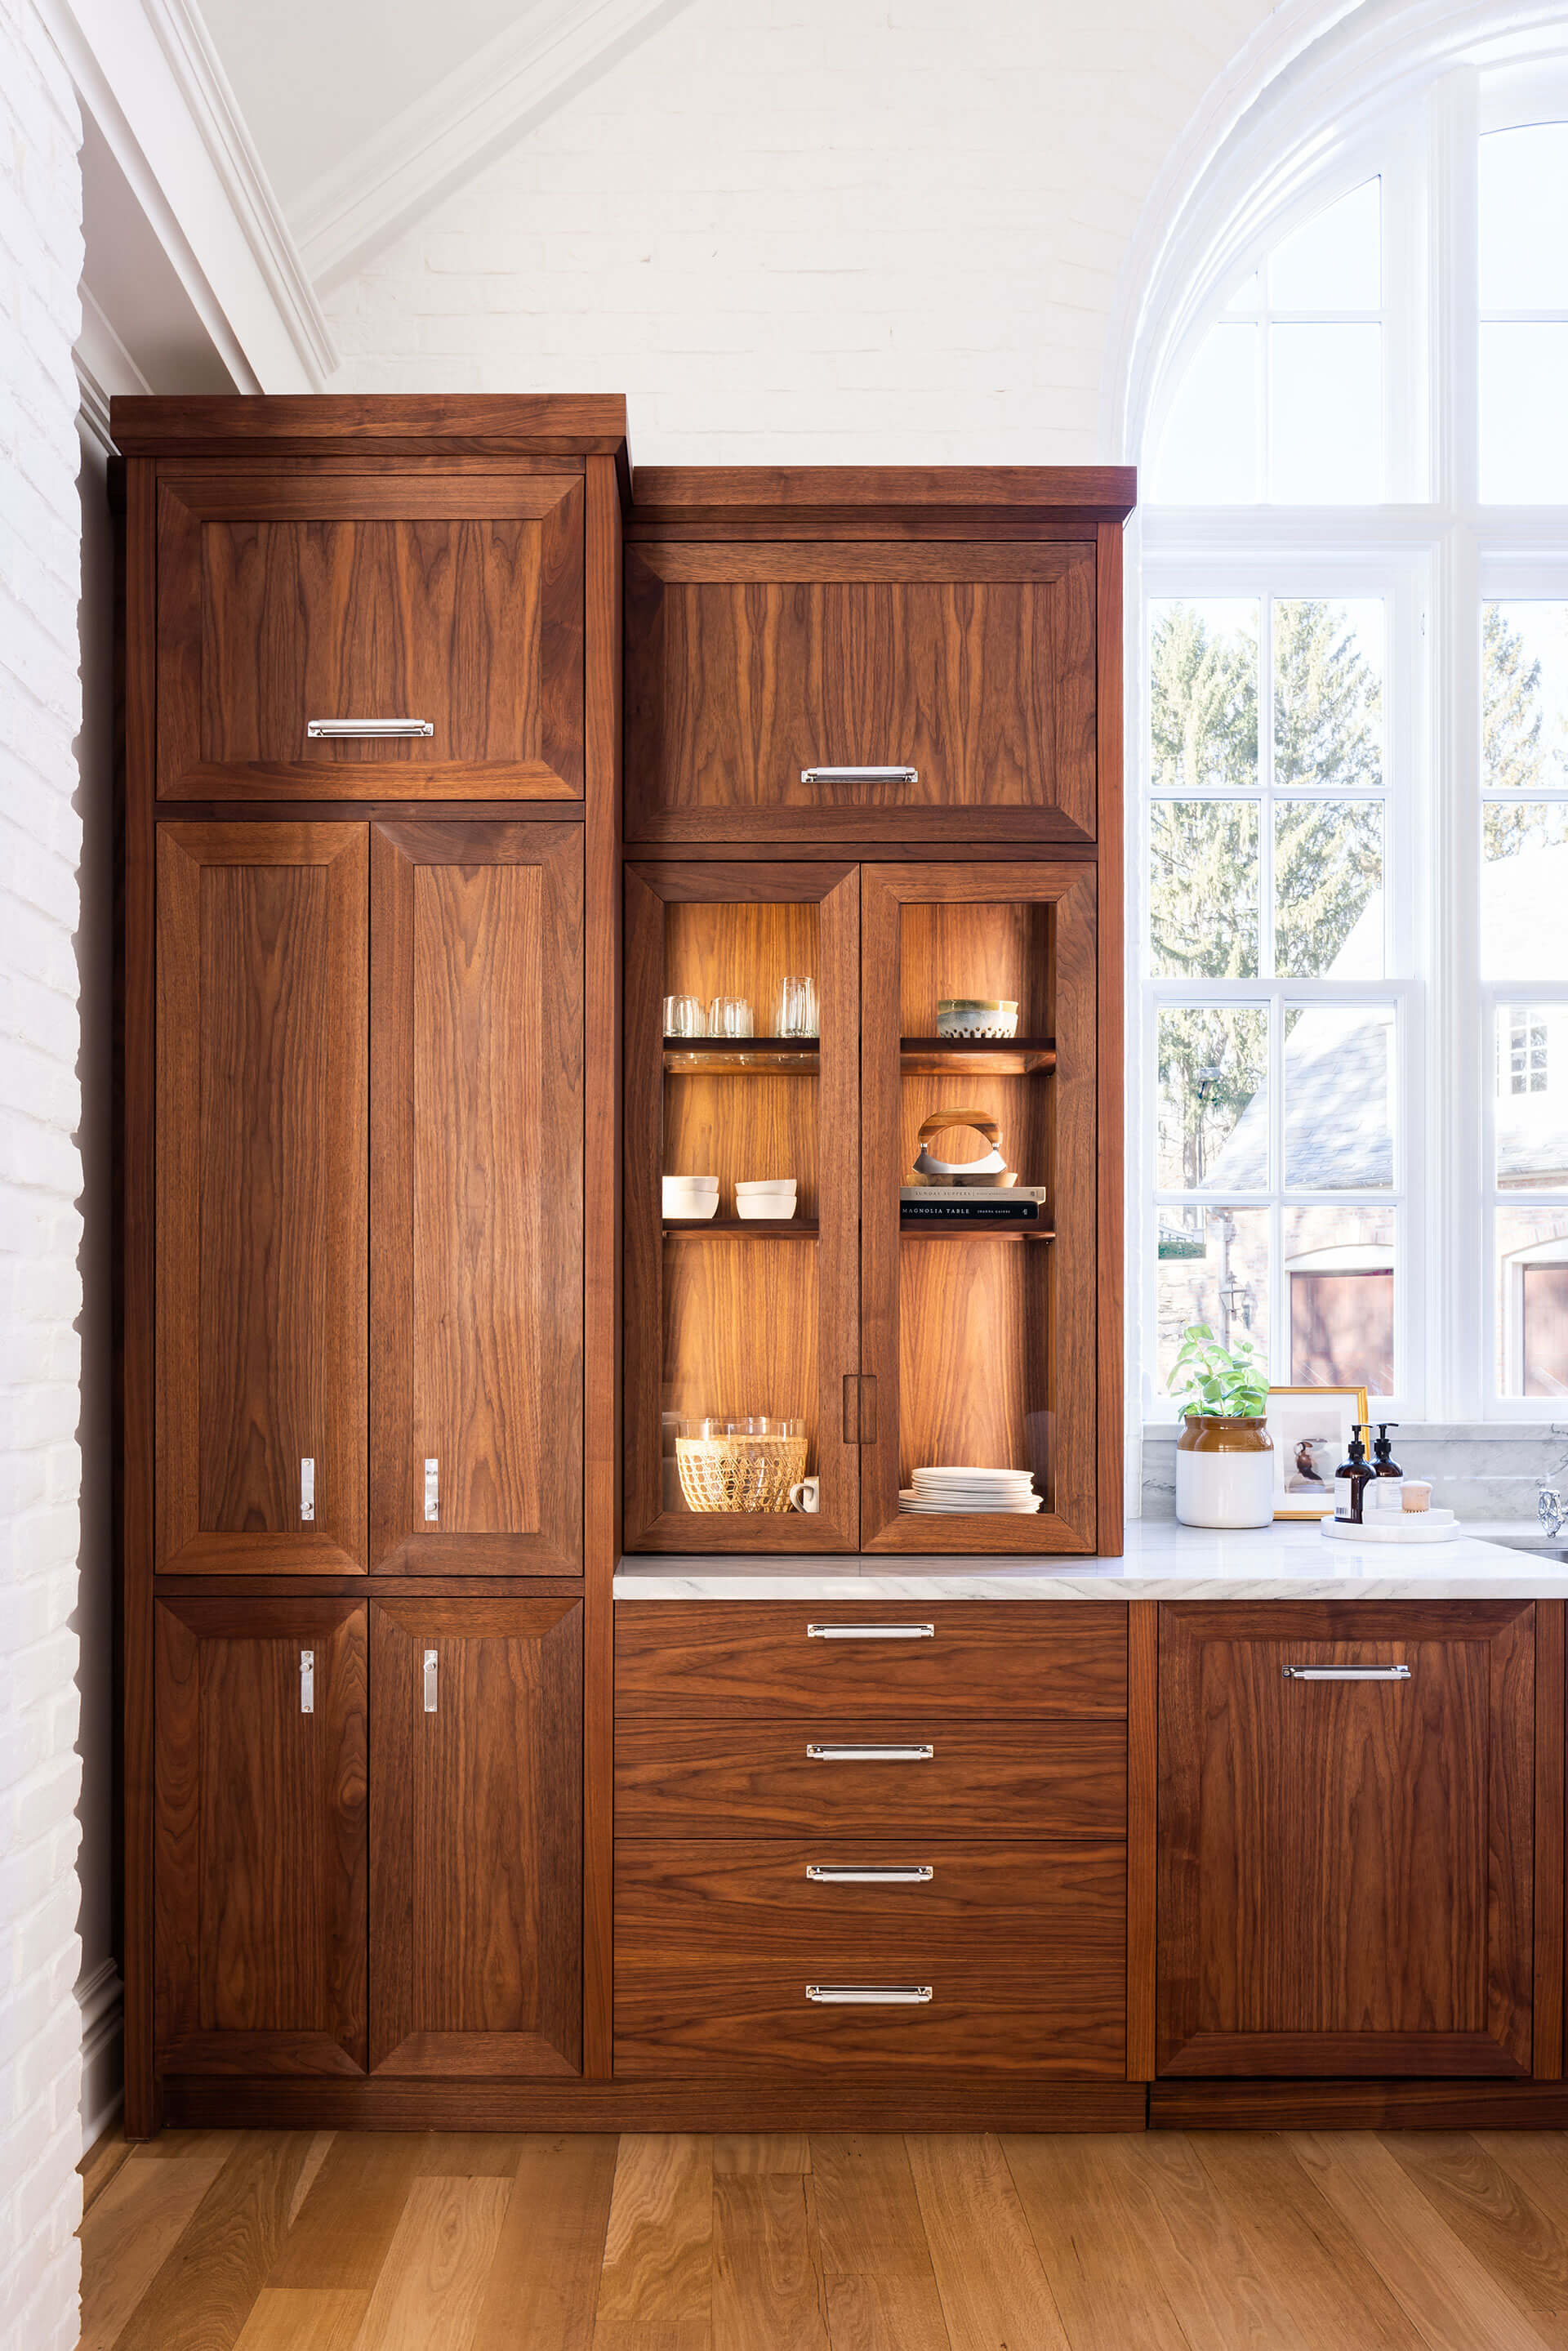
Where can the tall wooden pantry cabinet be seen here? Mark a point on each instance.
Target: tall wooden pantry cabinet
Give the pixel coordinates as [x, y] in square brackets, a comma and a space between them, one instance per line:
[407, 1337]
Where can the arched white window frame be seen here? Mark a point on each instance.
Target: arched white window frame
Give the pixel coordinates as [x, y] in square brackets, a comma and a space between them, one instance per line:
[1404, 90]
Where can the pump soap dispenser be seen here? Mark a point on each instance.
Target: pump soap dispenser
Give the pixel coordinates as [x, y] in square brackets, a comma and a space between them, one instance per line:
[1352, 1478]
[1389, 1491]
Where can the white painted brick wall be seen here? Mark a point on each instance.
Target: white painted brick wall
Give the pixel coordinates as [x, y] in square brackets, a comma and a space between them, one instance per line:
[40, 1176]
[843, 230]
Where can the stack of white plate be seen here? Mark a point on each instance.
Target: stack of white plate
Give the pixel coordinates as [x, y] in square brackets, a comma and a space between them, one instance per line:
[690, 1198]
[935, 1491]
[768, 1199]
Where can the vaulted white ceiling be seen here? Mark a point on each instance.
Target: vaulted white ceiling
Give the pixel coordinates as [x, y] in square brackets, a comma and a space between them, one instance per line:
[366, 111]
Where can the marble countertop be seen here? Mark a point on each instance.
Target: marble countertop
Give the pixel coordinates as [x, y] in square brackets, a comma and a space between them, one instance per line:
[1289, 1561]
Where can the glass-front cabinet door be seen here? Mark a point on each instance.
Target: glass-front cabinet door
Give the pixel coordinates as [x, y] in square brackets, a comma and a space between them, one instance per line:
[741, 1207]
[977, 1401]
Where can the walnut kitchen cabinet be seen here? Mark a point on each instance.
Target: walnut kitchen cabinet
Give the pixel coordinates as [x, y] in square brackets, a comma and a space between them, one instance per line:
[262, 1856]
[1345, 1838]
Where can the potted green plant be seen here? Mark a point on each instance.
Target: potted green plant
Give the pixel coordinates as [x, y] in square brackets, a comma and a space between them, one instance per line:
[1224, 1456]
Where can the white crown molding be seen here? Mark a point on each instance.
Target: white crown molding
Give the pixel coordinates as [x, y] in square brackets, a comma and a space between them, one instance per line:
[185, 39]
[146, 72]
[553, 49]
[104, 369]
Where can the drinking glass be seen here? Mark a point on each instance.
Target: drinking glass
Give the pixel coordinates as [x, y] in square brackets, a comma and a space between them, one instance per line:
[683, 1017]
[728, 1016]
[797, 1007]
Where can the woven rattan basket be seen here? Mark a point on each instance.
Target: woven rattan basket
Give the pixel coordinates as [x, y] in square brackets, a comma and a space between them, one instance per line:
[740, 1465]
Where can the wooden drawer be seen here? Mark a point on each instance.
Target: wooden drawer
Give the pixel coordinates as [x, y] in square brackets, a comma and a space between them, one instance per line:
[452, 598]
[1000, 1778]
[710, 1661]
[968, 670]
[1023, 1948]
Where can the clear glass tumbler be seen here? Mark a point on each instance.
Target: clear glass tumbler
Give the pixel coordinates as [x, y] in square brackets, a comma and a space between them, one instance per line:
[728, 1016]
[797, 1007]
[683, 1017]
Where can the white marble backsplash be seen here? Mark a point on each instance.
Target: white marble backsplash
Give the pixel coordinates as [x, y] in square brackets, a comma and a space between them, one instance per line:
[1494, 1471]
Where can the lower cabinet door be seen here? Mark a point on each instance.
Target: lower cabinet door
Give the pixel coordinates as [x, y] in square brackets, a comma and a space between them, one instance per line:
[913, 1954]
[476, 1837]
[260, 1852]
[1346, 1811]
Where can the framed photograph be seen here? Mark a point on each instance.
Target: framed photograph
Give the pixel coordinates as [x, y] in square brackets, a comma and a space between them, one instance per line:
[1311, 1428]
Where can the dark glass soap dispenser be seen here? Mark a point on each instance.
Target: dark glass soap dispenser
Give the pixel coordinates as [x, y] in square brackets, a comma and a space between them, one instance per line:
[1352, 1478]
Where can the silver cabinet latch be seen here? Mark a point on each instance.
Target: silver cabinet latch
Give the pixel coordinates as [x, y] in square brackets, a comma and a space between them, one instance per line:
[307, 1491]
[432, 1493]
[307, 1681]
[430, 1681]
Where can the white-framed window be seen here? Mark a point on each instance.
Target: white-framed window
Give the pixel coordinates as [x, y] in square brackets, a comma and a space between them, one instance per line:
[1351, 860]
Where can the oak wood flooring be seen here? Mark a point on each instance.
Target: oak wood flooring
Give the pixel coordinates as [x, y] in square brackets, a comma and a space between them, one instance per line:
[278, 2240]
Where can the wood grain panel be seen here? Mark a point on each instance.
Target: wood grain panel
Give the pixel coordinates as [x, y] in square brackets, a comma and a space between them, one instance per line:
[261, 1837]
[716, 1942]
[741, 1323]
[1110, 1104]
[1344, 1875]
[1546, 2030]
[477, 1198]
[705, 1662]
[262, 1108]
[1026, 1779]
[980, 1354]
[475, 1838]
[297, 595]
[1143, 1801]
[748, 664]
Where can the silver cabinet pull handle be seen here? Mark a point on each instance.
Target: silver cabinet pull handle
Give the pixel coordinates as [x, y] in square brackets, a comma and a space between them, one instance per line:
[855, 1754]
[828, 1873]
[860, 774]
[1345, 1673]
[870, 1632]
[430, 1671]
[307, 1681]
[868, 1995]
[307, 1490]
[368, 730]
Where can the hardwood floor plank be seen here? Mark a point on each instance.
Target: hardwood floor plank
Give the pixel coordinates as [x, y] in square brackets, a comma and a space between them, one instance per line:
[1302, 2249]
[1000, 2301]
[342, 2230]
[761, 2151]
[320, 2148]
[134, 2225]
[470, 2155]
[1211, 2276]
[1437, 2281]
[544, 2282]
[433, 2279]
[880, 2288]
[1099, 2262]
[102, 2161]
[767, 2284]
[656, 2284]
[303, 2318]
[203, 2294]
[1525, 2250]
[1538, 2160]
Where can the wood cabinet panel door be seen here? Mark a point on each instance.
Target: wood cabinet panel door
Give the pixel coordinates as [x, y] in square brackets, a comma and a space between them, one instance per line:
[476, 1837]
[260, 1859]
[1346, 1865]
[476, 1296]
[317, 596]
[263, 939]
[967, 670]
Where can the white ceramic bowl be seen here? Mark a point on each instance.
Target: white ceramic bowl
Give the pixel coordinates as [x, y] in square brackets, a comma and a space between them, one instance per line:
[756, 1207]
[765, 1184]
[690, 1198]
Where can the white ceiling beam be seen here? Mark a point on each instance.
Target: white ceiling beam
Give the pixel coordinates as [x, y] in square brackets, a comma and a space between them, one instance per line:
[555, 49]
[148, 74]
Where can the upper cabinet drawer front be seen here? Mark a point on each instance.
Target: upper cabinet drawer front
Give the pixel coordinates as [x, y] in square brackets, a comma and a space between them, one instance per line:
[972, 664]
[451, 601]
[709, 1662]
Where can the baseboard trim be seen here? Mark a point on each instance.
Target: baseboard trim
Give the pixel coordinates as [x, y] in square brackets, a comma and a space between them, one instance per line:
[221, 2103]
[1358, 2106]
[100, 1998]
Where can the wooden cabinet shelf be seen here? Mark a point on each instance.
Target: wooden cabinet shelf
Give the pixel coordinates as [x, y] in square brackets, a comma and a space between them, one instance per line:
[956, 1229]
[745, 1229]
[975, 1057]
[751, 1057]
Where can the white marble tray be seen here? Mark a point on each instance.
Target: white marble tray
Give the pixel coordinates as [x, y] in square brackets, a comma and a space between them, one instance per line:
[1407, 1527]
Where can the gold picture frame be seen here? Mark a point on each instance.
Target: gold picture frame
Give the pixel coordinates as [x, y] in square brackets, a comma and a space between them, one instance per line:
[1350, 1408]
